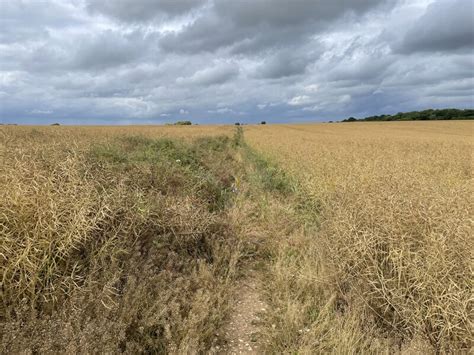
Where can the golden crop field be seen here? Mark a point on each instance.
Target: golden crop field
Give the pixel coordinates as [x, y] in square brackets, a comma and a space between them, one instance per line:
[13, 135]
[104, 235]
[395, 204]
[353, 237]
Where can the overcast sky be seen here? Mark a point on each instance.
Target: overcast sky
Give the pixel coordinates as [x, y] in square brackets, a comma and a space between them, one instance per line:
[222, 61]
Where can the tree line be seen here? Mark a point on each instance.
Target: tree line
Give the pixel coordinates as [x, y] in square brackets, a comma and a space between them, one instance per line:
[425, 115]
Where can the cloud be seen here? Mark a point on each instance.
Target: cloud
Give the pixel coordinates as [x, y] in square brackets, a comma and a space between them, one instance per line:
[142, 10]
[446, 25]
[41, 112]
[29, 20]
[283, 64]
[281, 13]
[222, 110]
[300, 100]
[109, 49]
[263, 23]
[217, 74]
[91, 61]
[206, 34]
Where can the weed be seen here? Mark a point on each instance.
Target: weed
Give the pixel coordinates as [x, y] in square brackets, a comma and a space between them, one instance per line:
[119, 245]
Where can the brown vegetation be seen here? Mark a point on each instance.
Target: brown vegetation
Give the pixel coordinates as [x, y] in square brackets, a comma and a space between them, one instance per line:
[132, 238]
[386, 258]
[118, 245]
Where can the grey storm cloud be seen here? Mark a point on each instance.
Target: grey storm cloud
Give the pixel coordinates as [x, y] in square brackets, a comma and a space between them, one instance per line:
[210, 76]
[277, 13]
[142, 10]
[261, 22]
[148, 61]
[109, 49]
[90, 52]
[283, 64]
[446, 25]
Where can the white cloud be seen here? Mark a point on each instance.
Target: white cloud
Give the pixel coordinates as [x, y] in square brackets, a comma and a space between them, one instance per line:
[222, 110]
[300, 100]
[41, 112]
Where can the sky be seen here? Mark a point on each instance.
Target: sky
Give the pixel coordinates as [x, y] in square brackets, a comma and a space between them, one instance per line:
[226, 61]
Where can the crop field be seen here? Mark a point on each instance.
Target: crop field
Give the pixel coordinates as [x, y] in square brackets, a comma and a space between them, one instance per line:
[354, 237]
[395, 236]
[107, 235]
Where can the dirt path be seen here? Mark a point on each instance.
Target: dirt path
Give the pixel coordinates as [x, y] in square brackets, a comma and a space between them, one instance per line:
[241, 332]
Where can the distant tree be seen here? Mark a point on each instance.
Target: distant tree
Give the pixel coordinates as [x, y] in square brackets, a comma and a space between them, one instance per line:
[351, 119]
[183, 123]
[425, 115]
[263, 122]
[55, 124]
[330, 122]
[237, 123]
